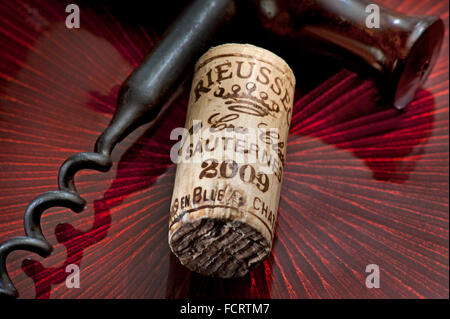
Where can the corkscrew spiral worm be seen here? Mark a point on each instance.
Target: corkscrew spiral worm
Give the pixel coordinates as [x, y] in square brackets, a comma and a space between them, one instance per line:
[66, 197]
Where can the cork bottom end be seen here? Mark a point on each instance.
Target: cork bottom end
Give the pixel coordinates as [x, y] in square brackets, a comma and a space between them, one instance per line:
[219, 248]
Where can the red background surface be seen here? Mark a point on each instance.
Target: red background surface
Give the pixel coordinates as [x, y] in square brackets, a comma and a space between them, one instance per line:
[363, 183]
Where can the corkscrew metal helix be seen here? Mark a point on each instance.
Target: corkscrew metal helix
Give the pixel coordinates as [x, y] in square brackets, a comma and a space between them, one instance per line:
[401, 54]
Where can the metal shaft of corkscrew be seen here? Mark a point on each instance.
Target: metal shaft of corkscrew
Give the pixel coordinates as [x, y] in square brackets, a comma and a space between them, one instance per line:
[139, 102]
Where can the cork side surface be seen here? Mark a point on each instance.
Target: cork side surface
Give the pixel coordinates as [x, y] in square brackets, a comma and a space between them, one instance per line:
[228, 180]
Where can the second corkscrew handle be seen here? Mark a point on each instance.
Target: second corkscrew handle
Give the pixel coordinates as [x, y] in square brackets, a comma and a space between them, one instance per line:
[398, 50]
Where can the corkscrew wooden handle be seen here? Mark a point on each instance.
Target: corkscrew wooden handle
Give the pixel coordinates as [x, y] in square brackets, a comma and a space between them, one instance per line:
[400, 52]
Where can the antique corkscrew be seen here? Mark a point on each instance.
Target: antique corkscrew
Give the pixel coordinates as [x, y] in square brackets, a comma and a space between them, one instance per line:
[400, 55]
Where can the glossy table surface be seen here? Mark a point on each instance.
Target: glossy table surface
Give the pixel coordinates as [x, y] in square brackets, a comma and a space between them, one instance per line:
[363, 184]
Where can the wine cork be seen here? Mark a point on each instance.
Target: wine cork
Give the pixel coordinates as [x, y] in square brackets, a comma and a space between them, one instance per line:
[230, 160]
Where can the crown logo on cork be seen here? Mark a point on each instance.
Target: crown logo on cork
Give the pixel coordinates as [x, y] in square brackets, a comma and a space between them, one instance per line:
[244, 101]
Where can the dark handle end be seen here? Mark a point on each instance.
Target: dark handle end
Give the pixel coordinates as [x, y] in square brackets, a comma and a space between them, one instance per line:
[410, 73]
